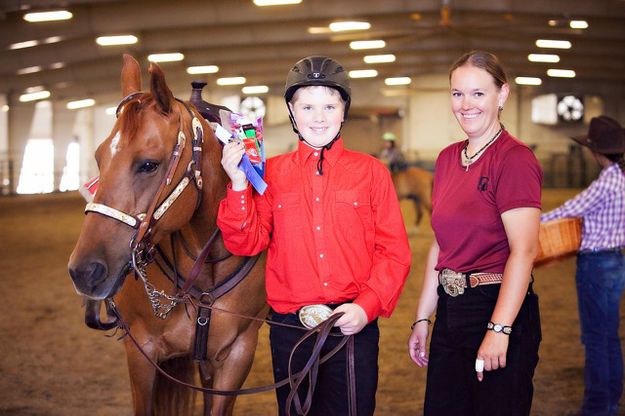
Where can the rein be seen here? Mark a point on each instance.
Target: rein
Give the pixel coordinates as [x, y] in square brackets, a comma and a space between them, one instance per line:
[294, 380]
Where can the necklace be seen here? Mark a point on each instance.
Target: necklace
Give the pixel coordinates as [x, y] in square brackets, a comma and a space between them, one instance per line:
[468, 160]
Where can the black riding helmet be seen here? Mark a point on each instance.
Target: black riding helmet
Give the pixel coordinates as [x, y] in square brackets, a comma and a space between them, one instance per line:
[317, 70]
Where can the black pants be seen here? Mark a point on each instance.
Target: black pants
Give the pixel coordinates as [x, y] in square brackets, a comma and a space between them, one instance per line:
[330, 395]
[452, 385]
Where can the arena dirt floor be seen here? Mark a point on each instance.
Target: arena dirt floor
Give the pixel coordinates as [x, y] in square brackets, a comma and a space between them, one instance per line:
[52, 364]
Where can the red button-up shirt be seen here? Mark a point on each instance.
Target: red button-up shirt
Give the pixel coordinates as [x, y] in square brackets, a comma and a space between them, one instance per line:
[331, 238]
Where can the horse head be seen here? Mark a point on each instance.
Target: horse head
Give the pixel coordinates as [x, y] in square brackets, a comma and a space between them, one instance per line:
[150, 182]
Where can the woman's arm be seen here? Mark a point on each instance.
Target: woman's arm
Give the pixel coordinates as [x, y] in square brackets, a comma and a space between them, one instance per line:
[521, 225]
[425, 308]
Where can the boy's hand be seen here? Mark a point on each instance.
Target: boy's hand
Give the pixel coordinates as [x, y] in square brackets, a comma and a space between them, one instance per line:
[353, 320]
[230, 159]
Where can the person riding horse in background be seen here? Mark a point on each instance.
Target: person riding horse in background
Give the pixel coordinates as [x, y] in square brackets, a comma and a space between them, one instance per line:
[336, 240]
[391, 155]
[600, 276]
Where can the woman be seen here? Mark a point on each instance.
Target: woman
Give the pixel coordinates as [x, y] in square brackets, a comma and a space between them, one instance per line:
[485, 216]
[600, 275]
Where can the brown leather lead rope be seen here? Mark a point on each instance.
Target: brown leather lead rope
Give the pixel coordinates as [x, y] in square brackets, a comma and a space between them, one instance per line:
[323, 330]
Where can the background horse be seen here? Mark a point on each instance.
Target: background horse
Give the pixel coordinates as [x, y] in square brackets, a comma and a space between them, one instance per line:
[137, 174]
[415, 184]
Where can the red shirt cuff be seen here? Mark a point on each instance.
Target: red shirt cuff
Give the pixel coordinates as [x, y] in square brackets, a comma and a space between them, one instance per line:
[370, 303]
[238, 201]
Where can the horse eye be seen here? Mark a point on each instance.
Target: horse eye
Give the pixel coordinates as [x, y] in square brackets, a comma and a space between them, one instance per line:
[148, 166]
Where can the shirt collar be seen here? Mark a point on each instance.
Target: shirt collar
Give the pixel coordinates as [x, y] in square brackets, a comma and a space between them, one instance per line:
[331, 156]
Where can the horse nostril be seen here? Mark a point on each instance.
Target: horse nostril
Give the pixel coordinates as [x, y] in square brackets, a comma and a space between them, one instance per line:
[89, 276]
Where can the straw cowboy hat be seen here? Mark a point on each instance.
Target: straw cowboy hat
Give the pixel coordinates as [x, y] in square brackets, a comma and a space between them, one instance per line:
[605, 135]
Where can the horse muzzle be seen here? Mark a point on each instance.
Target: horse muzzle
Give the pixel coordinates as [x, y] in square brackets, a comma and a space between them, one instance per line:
[93, 281]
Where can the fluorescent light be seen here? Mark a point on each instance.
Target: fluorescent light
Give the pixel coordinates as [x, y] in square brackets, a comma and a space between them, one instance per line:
[231, 81]
[53, 39]
[57, 65]
[345, 26]
[202, 69]
[363, 73]
[255, 89]
[379, 59]
[318, 30]
[398, 81]
[553, 22]
[50, 16]
[528, 81]
[367, 44]
[110, 111]
[578, 24]
[543, 57]
[33, 96]
[263, 3]
[29, 70]
[561, 73]
[165, 57]
[74, 105]
[116, 40]
[553, 44]
[22, 45]
[5, 108]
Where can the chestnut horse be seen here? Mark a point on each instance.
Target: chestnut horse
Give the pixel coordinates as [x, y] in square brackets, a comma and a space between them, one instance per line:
[157, 200]
[415, 184]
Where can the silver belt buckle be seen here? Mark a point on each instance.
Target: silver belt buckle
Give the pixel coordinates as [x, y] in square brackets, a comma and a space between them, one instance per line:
[453, 282]
[312, 315]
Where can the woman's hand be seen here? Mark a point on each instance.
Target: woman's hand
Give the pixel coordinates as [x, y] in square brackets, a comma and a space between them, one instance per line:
[417, 343]
[493, 351]
[230, 159]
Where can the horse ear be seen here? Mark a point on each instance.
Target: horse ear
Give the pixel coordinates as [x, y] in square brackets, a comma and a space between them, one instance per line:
[160, 91]
[131, 76]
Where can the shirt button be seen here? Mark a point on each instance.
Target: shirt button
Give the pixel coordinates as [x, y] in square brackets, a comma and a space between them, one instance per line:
[317, 173]
[325, 283]
[318, 228]
[317, 199]
[242, 196]
[321, 255]
[279, 205]
[243, 208]
[355, 204]
[242, 201]
[316, 154]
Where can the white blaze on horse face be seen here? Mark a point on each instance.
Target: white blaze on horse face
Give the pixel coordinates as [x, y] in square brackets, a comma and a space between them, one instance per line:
[114, 147]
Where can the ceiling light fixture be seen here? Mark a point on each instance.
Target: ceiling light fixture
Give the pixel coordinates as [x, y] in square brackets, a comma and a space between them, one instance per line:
[111, 111]
[202, 69]
[255, 89]
[74, 105]
[543, 57]
[367, 44]
[398, 81]
[578, 24]
[379, 59]
[263, 3]
[115, 40]
[553, 44]
[231, 81]
[346, 26]
[528, 81]
[363, 73]
[49, 16]
[561, 73]
[34, 96]
[166, 57]
[29, 70]
[22, 45]
[57, 65]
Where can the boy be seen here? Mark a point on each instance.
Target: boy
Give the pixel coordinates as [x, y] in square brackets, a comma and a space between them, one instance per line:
[336, 240]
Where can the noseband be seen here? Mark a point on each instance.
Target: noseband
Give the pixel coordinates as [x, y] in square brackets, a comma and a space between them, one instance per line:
[143, 223]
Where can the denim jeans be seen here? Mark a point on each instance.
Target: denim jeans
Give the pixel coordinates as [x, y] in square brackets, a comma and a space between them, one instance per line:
[452, 386]
[330, 395]
[600, 279]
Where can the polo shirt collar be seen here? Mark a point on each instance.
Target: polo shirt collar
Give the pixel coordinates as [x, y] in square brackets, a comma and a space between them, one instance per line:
[331, 156]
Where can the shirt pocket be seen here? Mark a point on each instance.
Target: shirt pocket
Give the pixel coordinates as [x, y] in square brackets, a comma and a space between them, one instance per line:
[287, 210]
[354, 213]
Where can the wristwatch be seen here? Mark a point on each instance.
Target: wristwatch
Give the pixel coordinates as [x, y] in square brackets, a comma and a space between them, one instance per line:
[499, 328]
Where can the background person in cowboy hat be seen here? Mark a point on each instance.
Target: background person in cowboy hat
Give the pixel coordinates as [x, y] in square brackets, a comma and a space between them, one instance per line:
[331, 222]
[600, 276]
